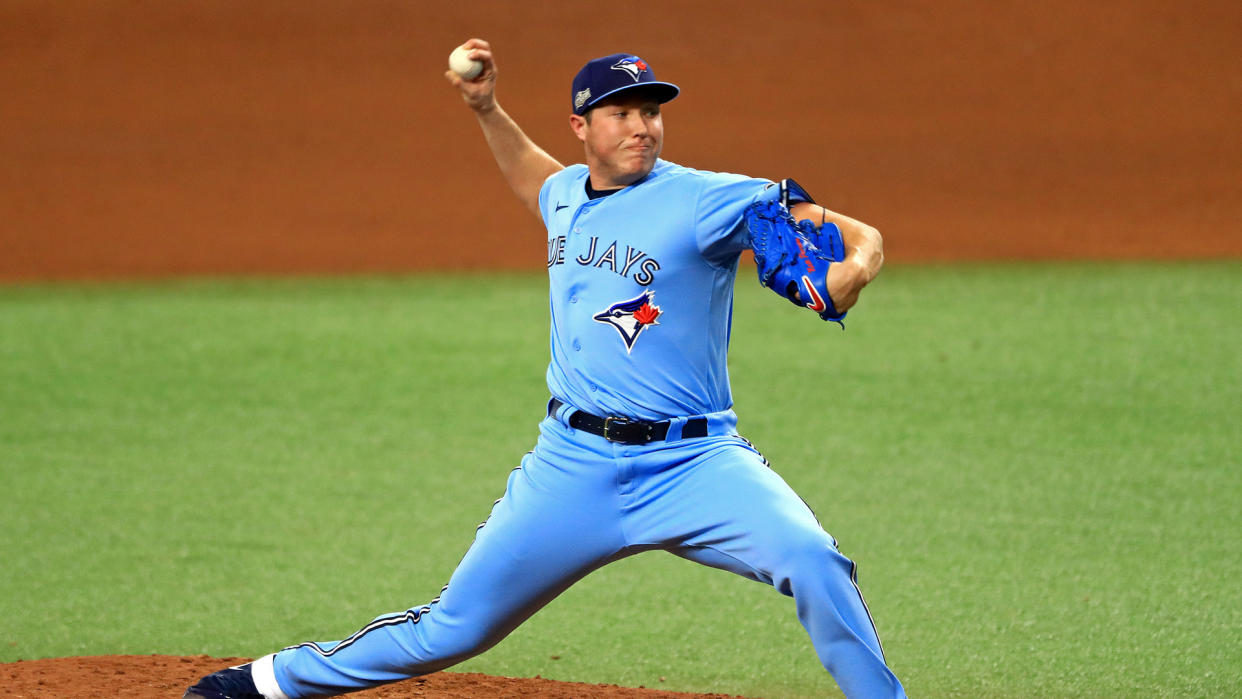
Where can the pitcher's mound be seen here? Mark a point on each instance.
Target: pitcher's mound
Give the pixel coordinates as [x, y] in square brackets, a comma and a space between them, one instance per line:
[167, 676]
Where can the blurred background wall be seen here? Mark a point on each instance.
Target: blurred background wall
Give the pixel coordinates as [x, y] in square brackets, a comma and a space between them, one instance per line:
[156, 138]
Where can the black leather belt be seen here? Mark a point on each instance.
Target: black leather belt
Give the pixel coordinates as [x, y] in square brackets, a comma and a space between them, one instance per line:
[623, 430]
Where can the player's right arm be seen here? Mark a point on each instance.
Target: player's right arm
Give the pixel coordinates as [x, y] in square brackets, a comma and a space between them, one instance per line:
[525, 165]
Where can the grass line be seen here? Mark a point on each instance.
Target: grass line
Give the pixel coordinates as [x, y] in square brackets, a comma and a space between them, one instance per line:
[1036, 467]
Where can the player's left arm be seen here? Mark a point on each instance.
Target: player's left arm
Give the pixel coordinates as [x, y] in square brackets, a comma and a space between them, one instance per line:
[864, 253]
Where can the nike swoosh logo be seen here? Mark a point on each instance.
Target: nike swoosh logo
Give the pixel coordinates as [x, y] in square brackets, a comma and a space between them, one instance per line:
[817, 303]
[562, 206]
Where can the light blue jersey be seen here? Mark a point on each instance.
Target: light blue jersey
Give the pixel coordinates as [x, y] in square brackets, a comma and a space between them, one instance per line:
[641, 286]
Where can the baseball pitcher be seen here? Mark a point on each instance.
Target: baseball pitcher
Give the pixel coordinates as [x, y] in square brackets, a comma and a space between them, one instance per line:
[638, 448]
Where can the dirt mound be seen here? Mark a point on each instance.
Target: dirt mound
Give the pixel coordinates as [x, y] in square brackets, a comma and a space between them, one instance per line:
[164, 676]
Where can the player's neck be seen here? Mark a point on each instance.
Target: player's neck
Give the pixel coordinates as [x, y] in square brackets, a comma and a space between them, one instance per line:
[601, 182]
[593, 193]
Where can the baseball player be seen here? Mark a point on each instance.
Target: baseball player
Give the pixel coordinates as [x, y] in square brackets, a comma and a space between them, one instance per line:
[638, 449]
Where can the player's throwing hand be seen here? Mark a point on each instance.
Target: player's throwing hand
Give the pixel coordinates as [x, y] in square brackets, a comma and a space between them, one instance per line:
[479, 93]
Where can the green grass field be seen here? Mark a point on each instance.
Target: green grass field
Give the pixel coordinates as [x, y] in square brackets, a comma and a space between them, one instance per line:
[1037, 468]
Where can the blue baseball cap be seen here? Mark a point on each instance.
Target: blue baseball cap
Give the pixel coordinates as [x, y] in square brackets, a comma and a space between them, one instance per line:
[606, 76]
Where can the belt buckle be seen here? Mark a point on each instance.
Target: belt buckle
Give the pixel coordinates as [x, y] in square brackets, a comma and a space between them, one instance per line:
[623, 422]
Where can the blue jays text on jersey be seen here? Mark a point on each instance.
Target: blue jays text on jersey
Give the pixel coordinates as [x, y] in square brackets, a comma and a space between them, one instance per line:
[643, 266]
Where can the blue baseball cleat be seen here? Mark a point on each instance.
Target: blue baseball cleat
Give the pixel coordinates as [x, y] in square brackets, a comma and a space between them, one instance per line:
[230, 683]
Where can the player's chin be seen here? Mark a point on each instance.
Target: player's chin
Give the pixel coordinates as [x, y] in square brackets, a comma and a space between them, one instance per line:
[640, 163]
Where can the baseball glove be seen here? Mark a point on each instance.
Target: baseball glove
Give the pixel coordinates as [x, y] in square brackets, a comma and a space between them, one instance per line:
[793, 256]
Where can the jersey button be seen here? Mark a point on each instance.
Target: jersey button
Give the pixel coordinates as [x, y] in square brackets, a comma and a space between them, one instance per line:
[573, 299]
[577, 345]
[594, 387]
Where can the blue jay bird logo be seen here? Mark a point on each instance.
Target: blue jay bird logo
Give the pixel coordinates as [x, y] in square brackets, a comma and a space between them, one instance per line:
[632, 317]
[633, 66]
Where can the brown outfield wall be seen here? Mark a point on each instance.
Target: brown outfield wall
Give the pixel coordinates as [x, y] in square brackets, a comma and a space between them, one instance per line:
[152, 138]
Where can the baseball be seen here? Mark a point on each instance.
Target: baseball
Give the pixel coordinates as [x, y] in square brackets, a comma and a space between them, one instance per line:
[461, 63]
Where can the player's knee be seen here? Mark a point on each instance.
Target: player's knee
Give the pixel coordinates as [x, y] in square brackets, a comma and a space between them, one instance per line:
[805, 559]
[436, 647]
[464, 645]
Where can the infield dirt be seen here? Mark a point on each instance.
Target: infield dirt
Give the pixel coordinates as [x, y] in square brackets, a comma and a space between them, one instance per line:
[147, 139]
[165, 676]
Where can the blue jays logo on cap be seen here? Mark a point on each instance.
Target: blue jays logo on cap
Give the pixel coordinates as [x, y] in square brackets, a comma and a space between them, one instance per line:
[608, 75]
[632, 317]
[634, 66]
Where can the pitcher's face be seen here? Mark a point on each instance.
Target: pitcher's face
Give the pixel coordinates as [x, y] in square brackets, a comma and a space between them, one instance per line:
[622, 138]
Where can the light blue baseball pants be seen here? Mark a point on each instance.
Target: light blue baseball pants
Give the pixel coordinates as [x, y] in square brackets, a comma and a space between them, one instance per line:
[578, 502]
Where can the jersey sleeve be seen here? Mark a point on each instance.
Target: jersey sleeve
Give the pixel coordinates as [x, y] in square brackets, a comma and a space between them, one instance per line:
[718, 215]
[543, 196]
[543, 202]
[558, 182]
